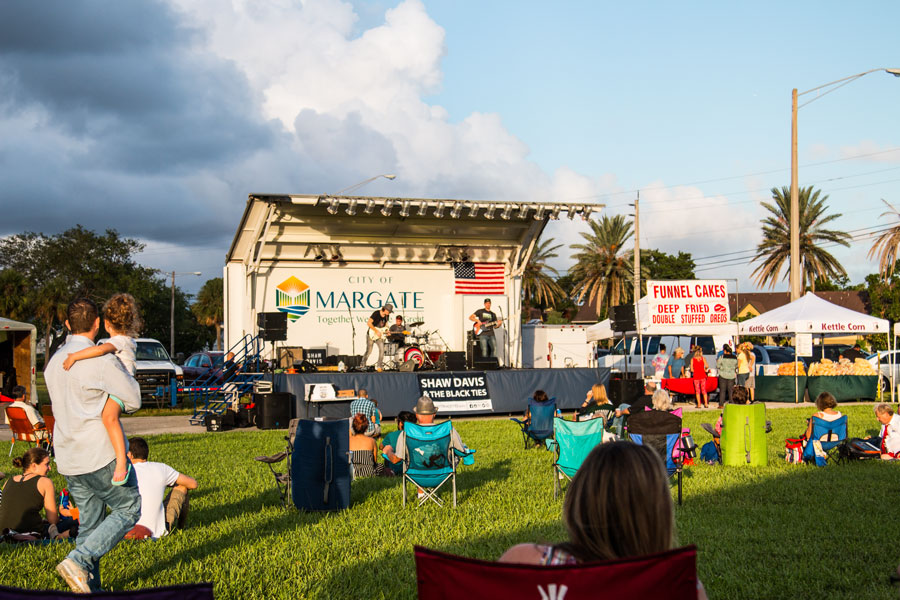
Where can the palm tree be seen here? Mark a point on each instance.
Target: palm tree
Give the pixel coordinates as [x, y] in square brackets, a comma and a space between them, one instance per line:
[775, 249]
[210, 307]
[887, 244]
[603, 269]
[538, 286]
[50, 301]
[14, 295]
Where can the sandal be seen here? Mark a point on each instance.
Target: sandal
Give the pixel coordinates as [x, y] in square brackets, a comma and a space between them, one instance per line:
[127, 473]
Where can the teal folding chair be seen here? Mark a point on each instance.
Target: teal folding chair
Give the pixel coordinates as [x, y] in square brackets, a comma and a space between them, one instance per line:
[429, 459]
[573, 441]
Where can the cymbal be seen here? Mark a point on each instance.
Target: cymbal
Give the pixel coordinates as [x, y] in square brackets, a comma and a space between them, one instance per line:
[417, 324]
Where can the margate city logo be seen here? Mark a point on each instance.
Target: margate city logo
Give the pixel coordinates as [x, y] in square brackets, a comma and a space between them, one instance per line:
[292, 297]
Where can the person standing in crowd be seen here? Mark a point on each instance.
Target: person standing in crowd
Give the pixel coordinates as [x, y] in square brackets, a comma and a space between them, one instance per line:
[84, 453]
[485, 323]
[699, 371]
[376, 324]
[660, 361]
[726, 365]
[675, 367]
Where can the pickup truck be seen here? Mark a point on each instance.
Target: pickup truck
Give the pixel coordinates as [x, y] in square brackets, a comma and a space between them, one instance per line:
[153, 367]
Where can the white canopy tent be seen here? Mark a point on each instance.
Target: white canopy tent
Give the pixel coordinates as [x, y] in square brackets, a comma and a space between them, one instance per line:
[811, 314]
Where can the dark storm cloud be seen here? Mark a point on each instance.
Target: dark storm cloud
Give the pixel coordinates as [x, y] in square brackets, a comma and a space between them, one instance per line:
[111, 116]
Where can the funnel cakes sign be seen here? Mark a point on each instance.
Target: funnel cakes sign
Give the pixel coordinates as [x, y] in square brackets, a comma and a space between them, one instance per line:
[688, 302]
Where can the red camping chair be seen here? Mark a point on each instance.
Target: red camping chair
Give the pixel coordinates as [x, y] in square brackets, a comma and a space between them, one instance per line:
[668, 575]
[22, 430]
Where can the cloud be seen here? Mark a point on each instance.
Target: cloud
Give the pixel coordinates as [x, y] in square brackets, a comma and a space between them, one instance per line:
[871, 151]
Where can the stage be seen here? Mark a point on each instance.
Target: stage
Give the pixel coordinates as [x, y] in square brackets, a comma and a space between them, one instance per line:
[456, 393]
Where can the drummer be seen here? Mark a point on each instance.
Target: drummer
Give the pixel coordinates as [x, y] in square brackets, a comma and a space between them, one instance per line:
[396, 331]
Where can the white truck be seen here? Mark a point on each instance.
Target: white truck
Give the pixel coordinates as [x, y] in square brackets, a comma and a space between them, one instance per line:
[630, 348]
[153, 367]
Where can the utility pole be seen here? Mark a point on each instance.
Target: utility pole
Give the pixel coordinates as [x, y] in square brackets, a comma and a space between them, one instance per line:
[637, 277]
[172, 320]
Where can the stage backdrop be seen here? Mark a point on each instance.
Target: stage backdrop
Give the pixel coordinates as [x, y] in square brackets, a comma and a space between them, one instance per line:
[506, 391]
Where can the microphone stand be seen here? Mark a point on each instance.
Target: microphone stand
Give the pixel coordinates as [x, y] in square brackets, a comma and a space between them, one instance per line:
[505, 335]
[352, 329]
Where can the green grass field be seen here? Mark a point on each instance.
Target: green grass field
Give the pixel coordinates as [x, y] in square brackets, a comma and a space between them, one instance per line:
[781, 531]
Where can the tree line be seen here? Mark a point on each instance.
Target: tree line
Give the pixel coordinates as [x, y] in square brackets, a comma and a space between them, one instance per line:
[603, 272]
[41, 274]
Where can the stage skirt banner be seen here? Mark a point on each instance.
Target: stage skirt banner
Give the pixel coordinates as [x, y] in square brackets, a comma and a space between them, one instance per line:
[456, 392]
[687, 302]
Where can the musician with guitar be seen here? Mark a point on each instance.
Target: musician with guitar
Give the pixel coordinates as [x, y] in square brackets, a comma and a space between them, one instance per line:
[485, 323]
[377, 330]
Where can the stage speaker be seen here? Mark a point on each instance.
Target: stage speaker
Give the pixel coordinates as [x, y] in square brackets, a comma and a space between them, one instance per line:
[454, 361]
[408, 366]
[272, 326]
[307, 367]
[622, 318]
[486, 363]
[273, 410]
[625, 390]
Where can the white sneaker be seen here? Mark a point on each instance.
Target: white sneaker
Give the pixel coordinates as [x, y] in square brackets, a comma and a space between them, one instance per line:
[75, 577]
[420, 495]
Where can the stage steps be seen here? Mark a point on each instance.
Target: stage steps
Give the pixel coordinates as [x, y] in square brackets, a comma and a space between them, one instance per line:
[208, 396]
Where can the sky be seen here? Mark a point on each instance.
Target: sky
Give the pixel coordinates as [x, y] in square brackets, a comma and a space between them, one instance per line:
[158, 118]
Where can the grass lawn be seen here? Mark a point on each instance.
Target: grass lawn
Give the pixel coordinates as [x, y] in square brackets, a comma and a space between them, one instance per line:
[776, 532]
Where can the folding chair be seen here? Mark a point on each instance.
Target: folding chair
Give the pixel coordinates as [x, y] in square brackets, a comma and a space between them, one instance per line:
[829, 434]
[23, 431]
[671, 575]
[282, 480]
[661, 431]
[429, 460]
[573, 441]
[540, 426]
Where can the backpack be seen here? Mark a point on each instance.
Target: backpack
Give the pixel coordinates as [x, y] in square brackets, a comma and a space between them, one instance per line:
[857, 449]
[709, 453]
[793, 450]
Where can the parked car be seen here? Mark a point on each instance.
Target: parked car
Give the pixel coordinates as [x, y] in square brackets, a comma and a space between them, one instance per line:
[153, 367]
[203, 367]
[885, 357]
[629, 347]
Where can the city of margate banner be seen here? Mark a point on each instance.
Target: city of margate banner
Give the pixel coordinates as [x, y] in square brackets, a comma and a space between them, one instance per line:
[456, 392]
[687, 302]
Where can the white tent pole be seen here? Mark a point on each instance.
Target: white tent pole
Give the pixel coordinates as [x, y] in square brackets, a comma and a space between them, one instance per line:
[796, 378]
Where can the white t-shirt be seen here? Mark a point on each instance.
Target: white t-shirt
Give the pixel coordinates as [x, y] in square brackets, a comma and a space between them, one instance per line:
[125, 349]
[892, 431]
[829, 416]
[153, 479]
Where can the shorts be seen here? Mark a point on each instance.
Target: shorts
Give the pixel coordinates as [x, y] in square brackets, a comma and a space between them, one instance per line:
[700, 386]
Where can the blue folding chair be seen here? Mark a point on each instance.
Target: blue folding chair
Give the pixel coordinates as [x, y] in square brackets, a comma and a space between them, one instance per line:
[829, 434]
[540, 426]
[660, 430]
[430, 460]
[573, 441]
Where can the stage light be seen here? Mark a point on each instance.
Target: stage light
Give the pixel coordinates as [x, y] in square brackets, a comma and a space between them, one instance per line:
[572, 212]
[319, 254]
[351, 207]
[586, 212]
[333, 206]
[370, 206]
[539, 213]
[404, 209]
[489, 213]
[464, 256]
[336, 254]
[473, 209]
[523, 211]
[507, 212]
[554, 214]
[439, 209]
[388, 207]
[423, 208]
[454, 212]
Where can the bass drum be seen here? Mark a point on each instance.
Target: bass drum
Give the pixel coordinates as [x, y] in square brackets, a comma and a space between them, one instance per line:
[415, 354]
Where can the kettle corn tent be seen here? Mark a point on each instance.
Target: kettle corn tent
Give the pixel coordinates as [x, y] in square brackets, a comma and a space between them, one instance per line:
[811, 314]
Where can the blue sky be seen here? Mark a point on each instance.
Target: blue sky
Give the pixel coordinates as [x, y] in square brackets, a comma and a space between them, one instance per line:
[162, 131]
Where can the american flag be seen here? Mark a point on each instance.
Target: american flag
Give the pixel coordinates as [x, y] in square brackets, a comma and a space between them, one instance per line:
[479, 278]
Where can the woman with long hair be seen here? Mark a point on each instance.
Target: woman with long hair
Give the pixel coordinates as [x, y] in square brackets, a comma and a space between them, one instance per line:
[617, 506]
[25, 495]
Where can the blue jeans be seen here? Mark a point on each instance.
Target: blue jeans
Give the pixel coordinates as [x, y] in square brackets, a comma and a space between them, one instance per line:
[618, 423]
[486, 342]
[98, 532]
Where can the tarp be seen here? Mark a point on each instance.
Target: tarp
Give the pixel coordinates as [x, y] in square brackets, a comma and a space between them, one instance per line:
[603, 330]
[811, 314]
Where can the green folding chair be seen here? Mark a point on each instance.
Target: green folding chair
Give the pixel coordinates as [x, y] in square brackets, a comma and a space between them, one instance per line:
[430, 461]
[573, 441]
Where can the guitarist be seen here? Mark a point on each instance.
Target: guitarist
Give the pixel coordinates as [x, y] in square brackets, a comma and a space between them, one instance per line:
[376, 325]
[485, 323]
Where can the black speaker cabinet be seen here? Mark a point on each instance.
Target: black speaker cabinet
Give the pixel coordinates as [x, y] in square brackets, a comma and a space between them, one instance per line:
[622, 317]
[455, 361]
[273, 410]
[271, 320]
[486, 363]
[408, 367]
[625, 391]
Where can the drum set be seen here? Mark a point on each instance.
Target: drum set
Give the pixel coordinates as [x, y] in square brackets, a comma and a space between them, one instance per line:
[422, 347]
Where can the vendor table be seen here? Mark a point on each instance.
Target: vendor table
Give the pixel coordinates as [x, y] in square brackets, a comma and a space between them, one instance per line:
[844, 387]
[685, 385]
[778, 388]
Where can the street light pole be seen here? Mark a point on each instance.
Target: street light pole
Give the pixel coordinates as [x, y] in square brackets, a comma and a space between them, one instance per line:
[172, 313]
[356, 186]
[796, 277]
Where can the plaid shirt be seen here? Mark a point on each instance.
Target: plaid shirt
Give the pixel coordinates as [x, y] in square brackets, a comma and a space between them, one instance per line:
[366, 407]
